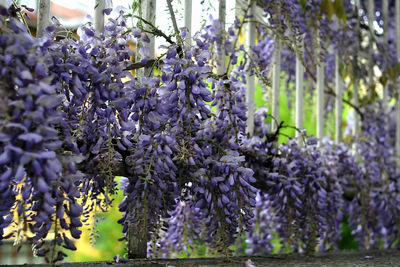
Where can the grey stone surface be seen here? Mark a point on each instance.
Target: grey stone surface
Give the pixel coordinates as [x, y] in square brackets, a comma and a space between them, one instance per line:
[331, 259]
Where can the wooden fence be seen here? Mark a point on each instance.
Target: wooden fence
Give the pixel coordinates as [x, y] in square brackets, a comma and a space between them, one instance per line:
[149, 11]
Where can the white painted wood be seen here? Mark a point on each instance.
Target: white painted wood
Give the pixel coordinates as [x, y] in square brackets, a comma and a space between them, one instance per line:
[338, 99]
[188, 21]
[299, 91]
[356, 102]
[251, 82]
[137, 238]
[371, 14]
[149, 13]
[99, 7]
[356, 81]
[221, 68]
[149, 8]
[221, 63]
[371, 19]
[258, 12]
[385, 15]
[238, 9]
[320, 93]
[276, 82]
[43, 17]
[397, 15]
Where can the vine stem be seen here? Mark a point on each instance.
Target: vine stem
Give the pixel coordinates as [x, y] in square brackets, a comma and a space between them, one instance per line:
[239, 30]
[173, 18]
[53, 249]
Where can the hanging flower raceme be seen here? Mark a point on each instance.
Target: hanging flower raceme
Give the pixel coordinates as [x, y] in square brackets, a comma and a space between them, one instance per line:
[90, 73]
[36, 163]
[377, 188]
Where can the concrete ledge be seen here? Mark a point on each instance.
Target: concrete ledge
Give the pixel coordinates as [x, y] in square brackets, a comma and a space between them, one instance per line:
[329, 259]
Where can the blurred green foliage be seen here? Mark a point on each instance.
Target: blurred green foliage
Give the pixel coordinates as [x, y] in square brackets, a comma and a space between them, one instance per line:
[99, 241]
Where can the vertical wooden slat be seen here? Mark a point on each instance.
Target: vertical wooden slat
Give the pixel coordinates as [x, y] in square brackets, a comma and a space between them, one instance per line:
[338, 99]
[150, 13]
[299, 91]
[276, 81]
[371, 14]
[221, 57]
[238, 9]
[251, 82]
[99, 7]
[397, 15]
[43, 16]
[148, 9]
[320, 90]
[356, 81]
[137, 239]
[385, 15]
[276, 77]
[188, 20]
[371, 19]
[221, 64]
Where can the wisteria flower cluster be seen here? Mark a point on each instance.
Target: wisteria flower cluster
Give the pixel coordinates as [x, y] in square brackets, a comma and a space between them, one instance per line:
[39, 177]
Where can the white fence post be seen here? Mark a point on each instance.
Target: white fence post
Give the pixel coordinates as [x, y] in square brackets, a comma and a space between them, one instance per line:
[188, 21]
[276, 78]
[371, 19]
[356, 128]
[338, 99]
[99, 7]
[221, 64]
[43, 17]
[148, 13]
[320, 90]
[299, 91]
[221, 58]
[137, 241]
[276, 82]
[251, 82]
[385, 15]
[397, 15]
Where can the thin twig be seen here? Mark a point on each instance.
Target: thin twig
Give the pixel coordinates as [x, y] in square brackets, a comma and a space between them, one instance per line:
[154, 30]
[139, 65]
[239, 30]
[171, 11]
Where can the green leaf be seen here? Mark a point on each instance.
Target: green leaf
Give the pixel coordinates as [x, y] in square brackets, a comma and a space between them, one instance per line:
[303, 4]
[340, 11]
[392, 73]
[327, 8]
[342, 69]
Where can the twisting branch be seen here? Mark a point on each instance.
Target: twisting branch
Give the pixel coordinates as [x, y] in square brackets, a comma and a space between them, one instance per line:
[171, 11]
[139, 65]
[154, 30]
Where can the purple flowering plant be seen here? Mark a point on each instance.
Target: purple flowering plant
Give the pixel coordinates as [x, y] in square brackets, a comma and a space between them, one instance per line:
[73, 117]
